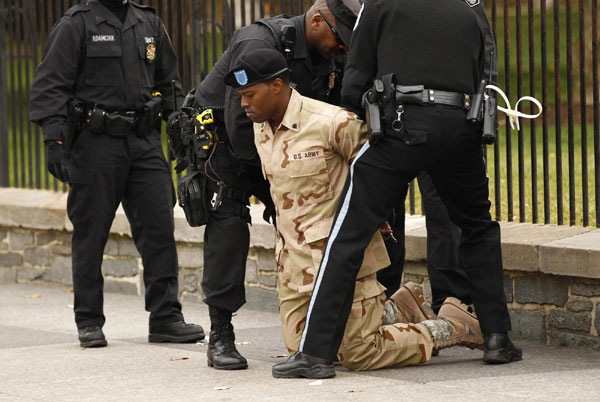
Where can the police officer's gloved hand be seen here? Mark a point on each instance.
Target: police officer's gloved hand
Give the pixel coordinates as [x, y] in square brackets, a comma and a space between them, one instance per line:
[174, 125]
[55, 161]
[270, 215]
[174, 122]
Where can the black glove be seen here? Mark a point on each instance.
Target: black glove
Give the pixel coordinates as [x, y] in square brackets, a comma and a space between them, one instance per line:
[177, 121]
[55, 161]
[174, 126]
[270, 215]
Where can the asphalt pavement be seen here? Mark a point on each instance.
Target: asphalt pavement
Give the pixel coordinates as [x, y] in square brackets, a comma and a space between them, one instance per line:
[40, 360]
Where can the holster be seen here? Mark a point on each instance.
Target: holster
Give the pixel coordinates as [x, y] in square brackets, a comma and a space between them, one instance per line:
[74, 123]
[192, 197]
[150, 117]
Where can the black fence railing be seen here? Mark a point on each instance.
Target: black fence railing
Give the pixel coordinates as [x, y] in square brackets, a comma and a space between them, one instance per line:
[546, 48]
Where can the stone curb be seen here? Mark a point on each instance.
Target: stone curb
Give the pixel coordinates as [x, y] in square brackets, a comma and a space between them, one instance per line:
[550, 249]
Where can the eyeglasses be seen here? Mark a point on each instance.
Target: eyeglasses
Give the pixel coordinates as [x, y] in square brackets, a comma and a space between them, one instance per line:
[335, 32]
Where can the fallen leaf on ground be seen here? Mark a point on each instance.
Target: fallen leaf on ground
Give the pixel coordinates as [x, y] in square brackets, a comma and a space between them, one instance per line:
[276, 356]
[178, 358]
[318, 382]
[356, 390]
[34, 296]
[220, 388]
[70, 290]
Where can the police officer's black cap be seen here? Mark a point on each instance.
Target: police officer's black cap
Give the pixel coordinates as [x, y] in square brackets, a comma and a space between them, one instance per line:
[345, 13]
[256, 66]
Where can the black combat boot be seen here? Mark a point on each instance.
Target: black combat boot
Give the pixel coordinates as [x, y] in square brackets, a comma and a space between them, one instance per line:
[176, 332]
[301, 365]
[222, 353]
[499, 349]
[91, 337]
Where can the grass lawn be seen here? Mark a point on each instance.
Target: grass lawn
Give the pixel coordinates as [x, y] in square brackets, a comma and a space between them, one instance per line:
[528, 172]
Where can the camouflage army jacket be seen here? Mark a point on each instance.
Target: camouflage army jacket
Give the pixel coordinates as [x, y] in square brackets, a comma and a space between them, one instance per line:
[306, 159]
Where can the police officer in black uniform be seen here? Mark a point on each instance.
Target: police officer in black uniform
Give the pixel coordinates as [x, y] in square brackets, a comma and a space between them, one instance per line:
[93, 96]
[447, 276]
[429, 57]
[311, 42]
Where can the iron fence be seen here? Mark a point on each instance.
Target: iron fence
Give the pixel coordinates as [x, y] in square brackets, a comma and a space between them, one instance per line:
[546, 48]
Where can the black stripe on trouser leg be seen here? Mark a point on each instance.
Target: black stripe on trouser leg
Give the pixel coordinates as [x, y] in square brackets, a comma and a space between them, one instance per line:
[371, 192]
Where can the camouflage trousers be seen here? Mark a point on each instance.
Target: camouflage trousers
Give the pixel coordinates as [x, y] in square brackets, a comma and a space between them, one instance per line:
[367, 345]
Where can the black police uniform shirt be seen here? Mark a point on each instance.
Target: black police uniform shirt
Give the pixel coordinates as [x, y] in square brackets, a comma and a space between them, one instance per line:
[399, 37]
[310, 75]
[94, 57]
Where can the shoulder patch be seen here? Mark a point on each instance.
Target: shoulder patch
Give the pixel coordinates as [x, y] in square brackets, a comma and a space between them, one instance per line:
[77, 8]
[142, 6]
[473, 3]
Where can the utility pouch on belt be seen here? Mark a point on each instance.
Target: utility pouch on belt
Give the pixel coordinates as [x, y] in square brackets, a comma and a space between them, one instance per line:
[95, 120]
[490, 111]
[191, 194]
[150, 117]
[409, 94]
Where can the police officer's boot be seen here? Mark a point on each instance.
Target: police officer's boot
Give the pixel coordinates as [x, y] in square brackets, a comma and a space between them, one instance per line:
[91, 337]
[407, 305]
[455, 326]
[301, 365]
[222, 353]
[499, 349]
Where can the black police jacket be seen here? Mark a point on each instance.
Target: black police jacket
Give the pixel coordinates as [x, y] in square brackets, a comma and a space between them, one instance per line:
[310, 76]
[94, 57]
[441, 44]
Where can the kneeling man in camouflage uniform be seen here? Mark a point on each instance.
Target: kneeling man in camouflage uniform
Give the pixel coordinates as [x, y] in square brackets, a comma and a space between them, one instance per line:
[306, 148]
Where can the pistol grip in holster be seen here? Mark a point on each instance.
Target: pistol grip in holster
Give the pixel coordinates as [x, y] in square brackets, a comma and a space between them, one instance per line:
[371, 103]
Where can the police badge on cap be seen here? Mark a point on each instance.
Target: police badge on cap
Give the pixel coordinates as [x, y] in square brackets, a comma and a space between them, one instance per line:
[473, 3]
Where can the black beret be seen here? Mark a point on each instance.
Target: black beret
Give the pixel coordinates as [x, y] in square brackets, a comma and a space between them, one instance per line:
[255, 66]
[345, 13]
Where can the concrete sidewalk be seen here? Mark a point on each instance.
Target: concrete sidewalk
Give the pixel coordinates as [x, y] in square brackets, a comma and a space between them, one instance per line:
[40, 360]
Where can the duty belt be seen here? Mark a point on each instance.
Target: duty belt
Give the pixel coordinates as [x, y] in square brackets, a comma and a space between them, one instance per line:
[227, 192]
[417, 94]
[116, 124]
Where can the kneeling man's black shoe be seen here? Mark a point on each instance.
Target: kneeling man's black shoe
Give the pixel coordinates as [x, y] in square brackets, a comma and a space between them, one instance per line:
[91, 337]
[301, 365]
[499, 349]
[176, 332]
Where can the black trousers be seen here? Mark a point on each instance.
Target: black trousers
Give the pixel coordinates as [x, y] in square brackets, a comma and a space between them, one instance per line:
[226, 235]
[133, 171]
[446, 275]
[436, 139]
